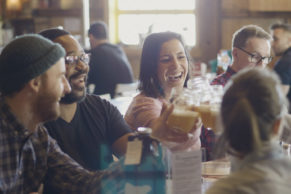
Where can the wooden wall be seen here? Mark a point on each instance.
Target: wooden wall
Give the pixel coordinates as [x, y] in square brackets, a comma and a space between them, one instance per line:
[217, 20]
[229, 15]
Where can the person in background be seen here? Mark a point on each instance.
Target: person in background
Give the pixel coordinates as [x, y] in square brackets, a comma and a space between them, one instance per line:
[251, 127]
[225, 58]
[164, 66]
[281, 46]
[251, 46]
[108, 64]
[32, 82]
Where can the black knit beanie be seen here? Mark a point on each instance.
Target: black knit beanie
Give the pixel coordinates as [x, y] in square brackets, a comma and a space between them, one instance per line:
[25, 58]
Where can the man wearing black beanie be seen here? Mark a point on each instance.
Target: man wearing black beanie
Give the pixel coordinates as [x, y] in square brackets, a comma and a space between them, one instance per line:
[32, 82]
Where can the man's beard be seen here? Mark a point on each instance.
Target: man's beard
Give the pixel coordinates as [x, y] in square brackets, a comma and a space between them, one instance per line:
[47, 107]
[73, 95]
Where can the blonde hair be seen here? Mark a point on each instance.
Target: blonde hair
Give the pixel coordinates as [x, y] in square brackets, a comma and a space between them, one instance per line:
[241, 36]
[253, 101]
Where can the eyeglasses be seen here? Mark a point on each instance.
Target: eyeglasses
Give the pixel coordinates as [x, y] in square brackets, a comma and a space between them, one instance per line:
[73, 60]
[257, 58]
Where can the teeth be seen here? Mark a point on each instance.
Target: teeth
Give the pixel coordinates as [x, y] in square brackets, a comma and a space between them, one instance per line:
[175, 77]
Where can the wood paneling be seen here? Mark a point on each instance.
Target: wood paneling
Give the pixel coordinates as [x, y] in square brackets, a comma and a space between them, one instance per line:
[134, 54]
[208, 28]
[269, 5]
[216, 25]
[235, 6]
[98, 10]
[57, 12]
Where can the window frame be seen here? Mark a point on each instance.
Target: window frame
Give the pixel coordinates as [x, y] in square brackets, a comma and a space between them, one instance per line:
[115, 12]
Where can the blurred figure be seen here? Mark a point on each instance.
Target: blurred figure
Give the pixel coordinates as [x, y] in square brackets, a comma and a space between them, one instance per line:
[221, 62]
[251, 46]
[164, 66]
[281, 46]
[252, 108]
[108, 64]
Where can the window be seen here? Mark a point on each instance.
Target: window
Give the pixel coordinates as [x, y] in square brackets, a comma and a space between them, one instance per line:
[133, 20]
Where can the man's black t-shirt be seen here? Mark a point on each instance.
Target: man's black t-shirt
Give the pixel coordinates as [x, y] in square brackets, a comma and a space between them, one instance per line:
[88, 138]
[283, 69]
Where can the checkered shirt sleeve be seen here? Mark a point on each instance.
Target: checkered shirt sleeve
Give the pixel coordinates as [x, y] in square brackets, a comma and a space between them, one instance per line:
[208, 140]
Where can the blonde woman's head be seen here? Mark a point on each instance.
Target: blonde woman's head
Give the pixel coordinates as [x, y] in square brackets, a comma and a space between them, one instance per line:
[253, 102]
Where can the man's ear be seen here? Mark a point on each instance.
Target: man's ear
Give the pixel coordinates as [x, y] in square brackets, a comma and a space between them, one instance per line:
[234, 52]
[35, 84]
[91, 37]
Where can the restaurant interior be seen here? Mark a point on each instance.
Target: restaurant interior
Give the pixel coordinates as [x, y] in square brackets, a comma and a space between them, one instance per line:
[208, 25]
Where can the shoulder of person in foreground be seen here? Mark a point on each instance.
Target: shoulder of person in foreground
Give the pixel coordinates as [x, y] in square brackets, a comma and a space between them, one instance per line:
[230, 184]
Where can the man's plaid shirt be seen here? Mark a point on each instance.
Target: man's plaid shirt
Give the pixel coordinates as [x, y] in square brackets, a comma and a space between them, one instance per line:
[28, 159]
[208, 139]
[223, 78]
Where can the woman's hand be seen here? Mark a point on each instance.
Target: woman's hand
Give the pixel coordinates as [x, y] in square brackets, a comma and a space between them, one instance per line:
[162, 131]
[166, 134]
[193, 141]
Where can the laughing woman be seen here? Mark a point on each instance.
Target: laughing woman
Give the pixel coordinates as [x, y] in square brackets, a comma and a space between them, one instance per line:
[164, 66]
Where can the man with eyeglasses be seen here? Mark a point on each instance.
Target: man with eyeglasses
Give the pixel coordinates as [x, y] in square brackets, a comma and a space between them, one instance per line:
[89, 128]
[32, 82]
[251, 46]
[281, 46]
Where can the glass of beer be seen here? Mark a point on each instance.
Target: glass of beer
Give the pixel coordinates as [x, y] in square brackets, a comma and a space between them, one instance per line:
[182, 120]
